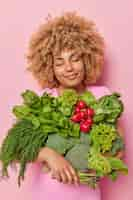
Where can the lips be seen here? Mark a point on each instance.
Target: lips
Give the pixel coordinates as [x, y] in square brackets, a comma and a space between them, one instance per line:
[71, 76]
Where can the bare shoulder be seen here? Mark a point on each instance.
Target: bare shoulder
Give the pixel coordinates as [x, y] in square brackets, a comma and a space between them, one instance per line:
[99, 90]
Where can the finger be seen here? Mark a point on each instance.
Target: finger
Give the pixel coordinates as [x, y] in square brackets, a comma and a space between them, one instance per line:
[56, 175]
[75, 175]
[63, 176]
[69, 176]
[53, 176]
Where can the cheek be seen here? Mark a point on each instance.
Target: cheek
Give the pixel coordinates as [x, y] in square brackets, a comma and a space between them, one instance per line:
[58, 73]
[79, 68]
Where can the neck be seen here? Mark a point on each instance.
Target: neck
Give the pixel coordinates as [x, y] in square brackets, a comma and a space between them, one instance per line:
[79, 89]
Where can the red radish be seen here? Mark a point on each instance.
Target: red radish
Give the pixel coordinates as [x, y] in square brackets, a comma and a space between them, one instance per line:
[76, 117]
[77, 109]
[84, 127]
[82, 114]
[88, 121]
[81, 104]
[89, 112]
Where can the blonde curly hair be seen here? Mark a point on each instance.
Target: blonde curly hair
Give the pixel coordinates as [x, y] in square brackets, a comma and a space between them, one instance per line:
[56, 34]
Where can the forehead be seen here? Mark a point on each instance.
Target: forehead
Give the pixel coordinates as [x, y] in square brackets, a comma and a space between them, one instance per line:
[66, 53]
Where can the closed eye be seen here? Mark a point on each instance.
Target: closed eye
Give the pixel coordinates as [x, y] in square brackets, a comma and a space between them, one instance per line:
[59, 61]
[76, 58]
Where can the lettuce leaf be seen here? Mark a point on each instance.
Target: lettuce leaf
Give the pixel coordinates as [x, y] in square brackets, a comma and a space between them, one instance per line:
[118, 164]
[31, 99]
[98, 162]
[103, 135]
[66, 102]
[110, 106]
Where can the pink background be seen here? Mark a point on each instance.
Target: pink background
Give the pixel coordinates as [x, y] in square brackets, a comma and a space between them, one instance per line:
[18, 19]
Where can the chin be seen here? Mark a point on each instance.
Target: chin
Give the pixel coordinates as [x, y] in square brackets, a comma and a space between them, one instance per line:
[72, 84]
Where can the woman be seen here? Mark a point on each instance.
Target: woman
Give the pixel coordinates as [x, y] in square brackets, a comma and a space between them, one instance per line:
[66, 52]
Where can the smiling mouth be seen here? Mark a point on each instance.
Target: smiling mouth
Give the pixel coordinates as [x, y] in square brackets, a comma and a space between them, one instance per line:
[71, 77]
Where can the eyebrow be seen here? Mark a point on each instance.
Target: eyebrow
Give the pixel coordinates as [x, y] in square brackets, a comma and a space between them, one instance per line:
[58, 57]
[73, 54]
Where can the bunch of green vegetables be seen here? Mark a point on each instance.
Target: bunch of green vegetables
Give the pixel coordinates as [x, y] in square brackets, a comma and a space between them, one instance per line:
[46, 121]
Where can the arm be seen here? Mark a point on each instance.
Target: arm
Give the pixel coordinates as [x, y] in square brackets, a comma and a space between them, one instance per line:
[43, 154]
[60, 168]
[40, 158]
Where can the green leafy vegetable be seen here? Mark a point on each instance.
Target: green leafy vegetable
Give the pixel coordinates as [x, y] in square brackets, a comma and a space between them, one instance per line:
[108, 108]
[67, 101]
[102, 135]
[85, 138]
[22, 143]
[57, 143]
[117, 145]
[31, 99]
[117, 164]
[21, 111]
[46, 120]
[113, 175]
[98, 162]
[88, 97]
[61, 144]
[78, 156]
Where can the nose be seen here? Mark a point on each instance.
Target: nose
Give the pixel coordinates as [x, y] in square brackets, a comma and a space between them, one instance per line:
[69, 66]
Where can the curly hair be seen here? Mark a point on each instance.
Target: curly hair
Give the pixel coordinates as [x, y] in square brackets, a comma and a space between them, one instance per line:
[67, 31]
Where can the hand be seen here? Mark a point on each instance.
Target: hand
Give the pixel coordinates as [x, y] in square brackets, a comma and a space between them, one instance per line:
[61, 169]
[120, 154]
[46, 168]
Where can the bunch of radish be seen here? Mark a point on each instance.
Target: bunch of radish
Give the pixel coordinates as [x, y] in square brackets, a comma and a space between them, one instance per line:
[83, 115]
